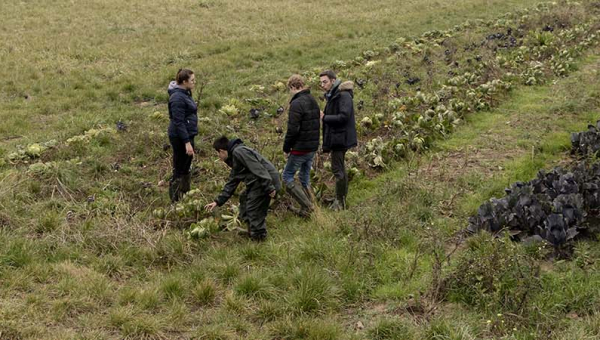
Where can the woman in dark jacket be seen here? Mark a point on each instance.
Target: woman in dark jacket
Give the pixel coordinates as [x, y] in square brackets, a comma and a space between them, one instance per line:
[183, 127]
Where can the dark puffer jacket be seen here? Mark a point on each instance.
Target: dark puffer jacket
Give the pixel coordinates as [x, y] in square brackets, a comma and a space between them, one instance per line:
[304, 124]
[183, 113]
[247, 165]
[339, 125]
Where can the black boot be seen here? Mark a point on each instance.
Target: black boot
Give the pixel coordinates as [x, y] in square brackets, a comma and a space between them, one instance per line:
[341, 188]
[186, 183]
[298, 194]
[175, 189]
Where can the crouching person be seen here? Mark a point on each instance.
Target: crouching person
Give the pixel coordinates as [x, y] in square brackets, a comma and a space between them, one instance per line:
[261, 179]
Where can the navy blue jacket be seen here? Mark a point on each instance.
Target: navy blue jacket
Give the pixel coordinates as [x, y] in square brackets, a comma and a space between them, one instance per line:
[183, 114]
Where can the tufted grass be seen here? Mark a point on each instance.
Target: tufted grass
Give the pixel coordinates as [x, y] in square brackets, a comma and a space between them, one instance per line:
[80, 258]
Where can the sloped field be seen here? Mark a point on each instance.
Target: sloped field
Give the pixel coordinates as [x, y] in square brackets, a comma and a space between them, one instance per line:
[90, 248]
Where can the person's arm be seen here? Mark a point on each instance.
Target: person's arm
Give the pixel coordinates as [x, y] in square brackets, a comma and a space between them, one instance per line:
[344, 110]
[293, 128]
[178, 107]
[255, 166]
[228, 189]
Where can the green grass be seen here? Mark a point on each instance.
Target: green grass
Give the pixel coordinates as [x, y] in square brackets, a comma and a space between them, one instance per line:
[66, 75]
[81, 258]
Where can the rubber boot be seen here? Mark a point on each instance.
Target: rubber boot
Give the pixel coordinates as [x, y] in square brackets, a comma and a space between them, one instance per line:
[175, 189]
[340, 195]
[309, 194]
[298, 194]
[186, 183]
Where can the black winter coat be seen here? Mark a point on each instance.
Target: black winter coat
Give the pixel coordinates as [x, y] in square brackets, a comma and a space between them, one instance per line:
[339, 125]
[250, 167]
[304, 123]
[183, 114]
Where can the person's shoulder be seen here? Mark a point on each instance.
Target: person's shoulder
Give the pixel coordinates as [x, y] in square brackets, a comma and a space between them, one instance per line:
[346, 86]
[176, 95]
[242, 149]
[296, 103]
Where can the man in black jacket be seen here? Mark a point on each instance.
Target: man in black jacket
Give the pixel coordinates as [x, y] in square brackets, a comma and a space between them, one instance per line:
[261, 179]
[339, 130]
[301, 142]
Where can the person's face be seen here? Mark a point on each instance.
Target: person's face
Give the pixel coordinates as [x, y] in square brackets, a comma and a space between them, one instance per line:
[222, 155]
[325, 83]
[190, 83]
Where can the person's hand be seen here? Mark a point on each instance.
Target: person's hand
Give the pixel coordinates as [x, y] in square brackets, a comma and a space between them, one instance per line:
[273, 193]
[210, 206]
[189, 150]
[322, 115]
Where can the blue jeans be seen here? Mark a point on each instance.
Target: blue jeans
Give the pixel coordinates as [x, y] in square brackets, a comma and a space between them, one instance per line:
[298, 162]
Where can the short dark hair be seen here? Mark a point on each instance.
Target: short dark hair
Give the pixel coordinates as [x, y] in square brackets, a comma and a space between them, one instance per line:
[329, 73]
[221, 143]
[183, 74]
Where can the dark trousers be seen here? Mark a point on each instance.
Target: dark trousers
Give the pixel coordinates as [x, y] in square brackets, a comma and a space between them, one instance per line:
[181, 161]
[254, 205]
[338, 167]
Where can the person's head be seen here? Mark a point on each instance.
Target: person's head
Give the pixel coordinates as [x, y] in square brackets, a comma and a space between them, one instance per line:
[220, 145]
[326, 80]
[295, 83]
[186, 78]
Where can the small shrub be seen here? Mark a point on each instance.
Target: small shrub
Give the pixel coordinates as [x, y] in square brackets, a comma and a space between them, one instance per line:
[494, 275]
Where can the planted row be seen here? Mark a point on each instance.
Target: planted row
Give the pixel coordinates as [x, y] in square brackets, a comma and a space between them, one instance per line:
[555, 206]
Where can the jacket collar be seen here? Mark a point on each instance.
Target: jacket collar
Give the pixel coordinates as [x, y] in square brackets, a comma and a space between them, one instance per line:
[234, 143]
[300, 94]
[174, 87]
[334, 90]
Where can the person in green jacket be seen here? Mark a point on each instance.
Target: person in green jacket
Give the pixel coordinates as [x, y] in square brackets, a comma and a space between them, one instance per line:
[261, 179]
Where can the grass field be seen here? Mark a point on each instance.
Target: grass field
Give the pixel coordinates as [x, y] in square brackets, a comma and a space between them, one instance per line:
[70, 65]
[81, 256]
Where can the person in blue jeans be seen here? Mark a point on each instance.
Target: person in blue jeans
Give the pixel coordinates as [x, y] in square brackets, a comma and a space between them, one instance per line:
[301, 142]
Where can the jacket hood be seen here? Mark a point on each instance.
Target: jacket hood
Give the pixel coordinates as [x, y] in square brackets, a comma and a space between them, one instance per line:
[234, 143]
[347, 86]
[174, 87]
